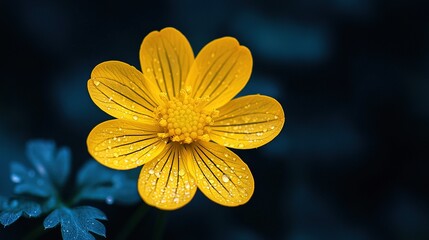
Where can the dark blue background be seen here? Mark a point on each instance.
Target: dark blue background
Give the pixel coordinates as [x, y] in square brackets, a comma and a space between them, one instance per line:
[352, 76]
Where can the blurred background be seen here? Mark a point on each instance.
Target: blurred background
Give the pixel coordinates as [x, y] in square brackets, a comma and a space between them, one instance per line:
[352, 76]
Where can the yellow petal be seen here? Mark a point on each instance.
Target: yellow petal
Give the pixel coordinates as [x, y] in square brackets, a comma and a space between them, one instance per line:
[248, 122]
[220, 71]
[121, 91]
[220, 174]
[165, 182]
[122, 144]
[166, 58]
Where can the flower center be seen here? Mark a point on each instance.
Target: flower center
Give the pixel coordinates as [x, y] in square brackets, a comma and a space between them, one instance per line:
[183, 119]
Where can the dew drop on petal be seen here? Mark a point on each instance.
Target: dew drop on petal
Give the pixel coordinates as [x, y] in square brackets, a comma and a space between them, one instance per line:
[151, 171]
[225, 178]
[181, 172]
[96, 83]
[135, 117]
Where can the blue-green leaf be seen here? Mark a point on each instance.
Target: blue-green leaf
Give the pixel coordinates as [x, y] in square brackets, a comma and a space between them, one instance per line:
[11, 210]
[27, 181]
[49, 162]
[76, 223]
[97, 182]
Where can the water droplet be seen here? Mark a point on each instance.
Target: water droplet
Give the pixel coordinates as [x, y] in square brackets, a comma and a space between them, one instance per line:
[109, 200]
[240, 145]
[157, 174]
[225, 178]
[151, 171]
[135, 117]
[15, 178]
[176, 200]
[181, 172]
[96, 83]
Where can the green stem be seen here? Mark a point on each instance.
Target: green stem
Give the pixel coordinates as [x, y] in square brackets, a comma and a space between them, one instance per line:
[34, 234]
[160, 225]
[131, 224]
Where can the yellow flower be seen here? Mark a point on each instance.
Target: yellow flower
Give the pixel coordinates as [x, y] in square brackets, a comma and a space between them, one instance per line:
[177, 116]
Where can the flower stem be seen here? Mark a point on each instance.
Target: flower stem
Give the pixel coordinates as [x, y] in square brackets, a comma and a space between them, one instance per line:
[130, 225]
[160, 225]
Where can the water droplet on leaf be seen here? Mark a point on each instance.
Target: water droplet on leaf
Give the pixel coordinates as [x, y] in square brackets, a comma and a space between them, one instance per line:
[110, 200]
[15, 178]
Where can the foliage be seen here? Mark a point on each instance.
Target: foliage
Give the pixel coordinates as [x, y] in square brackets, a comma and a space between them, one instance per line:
[37, 191]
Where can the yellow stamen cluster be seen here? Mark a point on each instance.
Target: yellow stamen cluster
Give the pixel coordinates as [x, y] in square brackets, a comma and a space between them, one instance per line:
[183, 119]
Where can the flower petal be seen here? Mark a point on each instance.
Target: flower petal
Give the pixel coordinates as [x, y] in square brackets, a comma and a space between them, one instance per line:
[121, 91]
[220, 71]
[220, 174]
[122, 144]
[248, 122]
[166, 57]
[165, 182]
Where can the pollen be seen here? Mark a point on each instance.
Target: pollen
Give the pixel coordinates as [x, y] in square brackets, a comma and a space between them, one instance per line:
[183, 119]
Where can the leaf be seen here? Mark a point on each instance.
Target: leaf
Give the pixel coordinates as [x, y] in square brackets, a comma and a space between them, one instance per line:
[76, 223]
[97, 182]
[29, 182]
[12, 210]
[49, 162]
